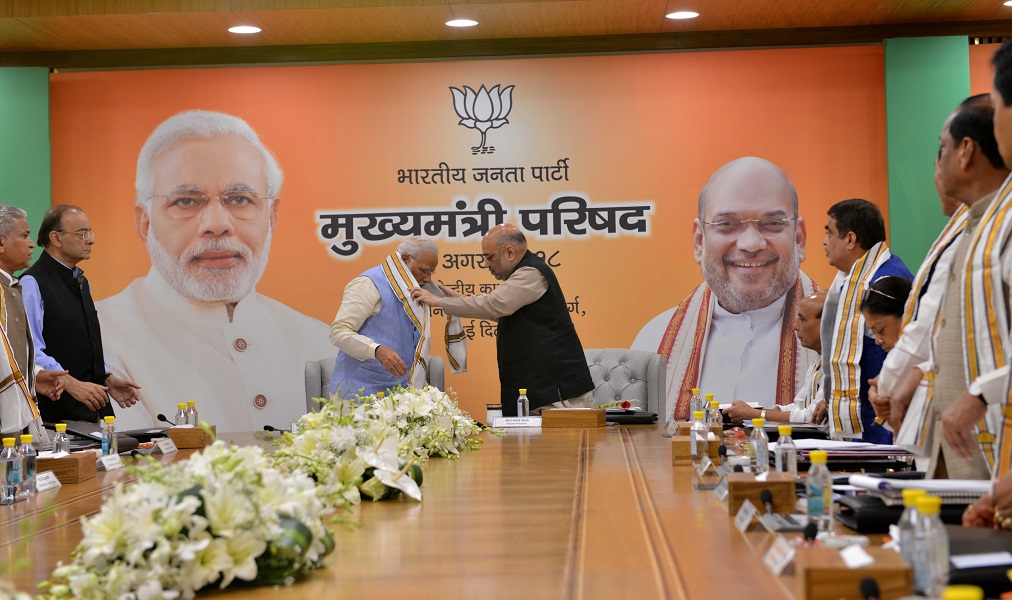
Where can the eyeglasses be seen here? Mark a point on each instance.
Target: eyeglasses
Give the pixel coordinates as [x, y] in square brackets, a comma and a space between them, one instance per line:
[766, 227]
[84, 234]
[241, 205]
[489, 257]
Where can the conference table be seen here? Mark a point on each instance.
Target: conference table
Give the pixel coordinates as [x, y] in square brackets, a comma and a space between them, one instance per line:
[538, 513]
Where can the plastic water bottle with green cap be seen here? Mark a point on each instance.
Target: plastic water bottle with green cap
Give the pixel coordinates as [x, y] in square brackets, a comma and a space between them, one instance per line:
[523, 404]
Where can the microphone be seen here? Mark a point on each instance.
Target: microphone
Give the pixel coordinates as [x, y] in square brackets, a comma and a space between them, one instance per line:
[767, 498]
[811, 530]
[739, 469]
[136, 454]
[161, 417]
[869, 589]
[722, 453]
[271, 429]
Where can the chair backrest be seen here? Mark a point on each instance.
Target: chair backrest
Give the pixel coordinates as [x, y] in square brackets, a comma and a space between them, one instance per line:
[319, 373]
[623, 374]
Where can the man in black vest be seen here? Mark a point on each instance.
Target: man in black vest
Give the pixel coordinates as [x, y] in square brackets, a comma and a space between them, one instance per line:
[64, 322]
[537, 345]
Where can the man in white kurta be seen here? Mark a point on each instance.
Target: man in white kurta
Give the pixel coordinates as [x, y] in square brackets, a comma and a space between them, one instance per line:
[194, 328]
[734, 335]
[243, 373]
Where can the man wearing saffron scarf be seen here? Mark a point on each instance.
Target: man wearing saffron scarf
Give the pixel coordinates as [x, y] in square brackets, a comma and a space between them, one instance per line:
[734, 335]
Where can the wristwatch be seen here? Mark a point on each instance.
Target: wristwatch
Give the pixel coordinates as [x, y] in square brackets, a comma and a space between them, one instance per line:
[762, 414]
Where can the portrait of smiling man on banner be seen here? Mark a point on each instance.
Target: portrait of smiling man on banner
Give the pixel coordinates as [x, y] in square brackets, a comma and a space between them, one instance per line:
[194, 327]
[734, 335]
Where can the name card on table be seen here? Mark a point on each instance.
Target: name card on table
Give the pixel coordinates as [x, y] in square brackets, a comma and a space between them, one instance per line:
[780, 554]
[721, 490]
[746, 513]
[164, 447]
[46, 481]
[110, 462]
[502, 422]
[703, 465]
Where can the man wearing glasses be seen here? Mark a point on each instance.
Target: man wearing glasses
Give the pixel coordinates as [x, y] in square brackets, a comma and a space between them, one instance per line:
[382, 333]
[537, 346]
[64, 323]
[734, 335]
[194, 328]
[855, 245]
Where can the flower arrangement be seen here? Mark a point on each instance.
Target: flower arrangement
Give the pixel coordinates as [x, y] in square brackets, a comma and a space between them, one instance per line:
[224, 514]
[373, 446]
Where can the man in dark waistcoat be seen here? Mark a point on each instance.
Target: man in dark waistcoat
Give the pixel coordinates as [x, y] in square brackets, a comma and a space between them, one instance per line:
[537, 345]
[64, 321]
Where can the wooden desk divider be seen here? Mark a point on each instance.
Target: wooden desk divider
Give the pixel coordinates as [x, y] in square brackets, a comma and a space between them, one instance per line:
[73, 468]
[743, 485]
[820, 574]
[681, 450]
[572, 417]
[190, 437]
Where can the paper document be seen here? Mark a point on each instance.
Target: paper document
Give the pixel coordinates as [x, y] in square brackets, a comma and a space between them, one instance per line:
[931, 485]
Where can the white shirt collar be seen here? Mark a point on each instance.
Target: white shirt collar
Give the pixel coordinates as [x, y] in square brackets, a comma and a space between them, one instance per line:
[214, 315]
[11, 280]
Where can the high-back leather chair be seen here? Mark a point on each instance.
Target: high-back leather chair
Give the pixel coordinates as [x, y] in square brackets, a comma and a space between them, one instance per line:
[623, 374]
[319, 372]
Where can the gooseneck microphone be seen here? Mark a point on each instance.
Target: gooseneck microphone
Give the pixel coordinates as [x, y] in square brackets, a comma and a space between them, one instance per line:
[869, 589]
[767, 499]
[811, 530]
[162, 418]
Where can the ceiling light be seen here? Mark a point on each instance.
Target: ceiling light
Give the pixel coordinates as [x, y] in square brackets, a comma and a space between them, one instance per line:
[244, 29]
[688, 14]
[462, 23]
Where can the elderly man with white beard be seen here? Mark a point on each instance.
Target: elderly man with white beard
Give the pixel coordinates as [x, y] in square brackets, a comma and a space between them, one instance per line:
[733, 336]
[194, 327]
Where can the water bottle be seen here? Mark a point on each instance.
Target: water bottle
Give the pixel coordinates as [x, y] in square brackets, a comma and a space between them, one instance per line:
[931, 548]
[180, 418]
[819, 487]
[10, 472]
[29, 456]
[191, 413]
[715, 418]
[760, 447]
[786, 456]
[109, 444]
[908, 523]
[698, 438]
[61, 443]
[695, 402]
[962, 592]
[523, 404]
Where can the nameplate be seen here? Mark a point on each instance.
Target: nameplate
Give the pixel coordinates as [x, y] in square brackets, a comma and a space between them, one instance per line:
[721, 490]
[780, 554]
[746, 513]
[504, 422]
[46, 481]
[164, 447]
[703, 465]
[109, 462]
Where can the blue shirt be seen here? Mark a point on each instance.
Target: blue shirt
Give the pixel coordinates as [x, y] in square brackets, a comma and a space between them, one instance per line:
[35, 308]
[872, 357]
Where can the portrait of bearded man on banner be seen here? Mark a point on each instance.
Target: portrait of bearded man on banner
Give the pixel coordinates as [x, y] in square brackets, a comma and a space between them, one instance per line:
[733, 336]
[194, 328]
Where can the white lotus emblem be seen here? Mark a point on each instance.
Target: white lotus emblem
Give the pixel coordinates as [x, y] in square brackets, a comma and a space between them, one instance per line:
[483, 110]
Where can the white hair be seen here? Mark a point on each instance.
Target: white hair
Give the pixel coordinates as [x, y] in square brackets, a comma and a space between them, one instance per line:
[9, 216]
[417, 246]
[205, 125]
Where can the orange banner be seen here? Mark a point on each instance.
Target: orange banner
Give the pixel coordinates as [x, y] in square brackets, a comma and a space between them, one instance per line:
[599, 159]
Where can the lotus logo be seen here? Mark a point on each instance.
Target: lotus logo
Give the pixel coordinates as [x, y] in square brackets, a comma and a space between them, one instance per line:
[483, 110]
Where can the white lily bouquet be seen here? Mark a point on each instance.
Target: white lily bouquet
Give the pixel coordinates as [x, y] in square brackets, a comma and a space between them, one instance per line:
[224, 514]
[373, 446]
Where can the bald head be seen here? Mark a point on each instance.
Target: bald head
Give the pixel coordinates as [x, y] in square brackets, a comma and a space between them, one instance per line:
[809, 319]
[503, 246]
[748, 171]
